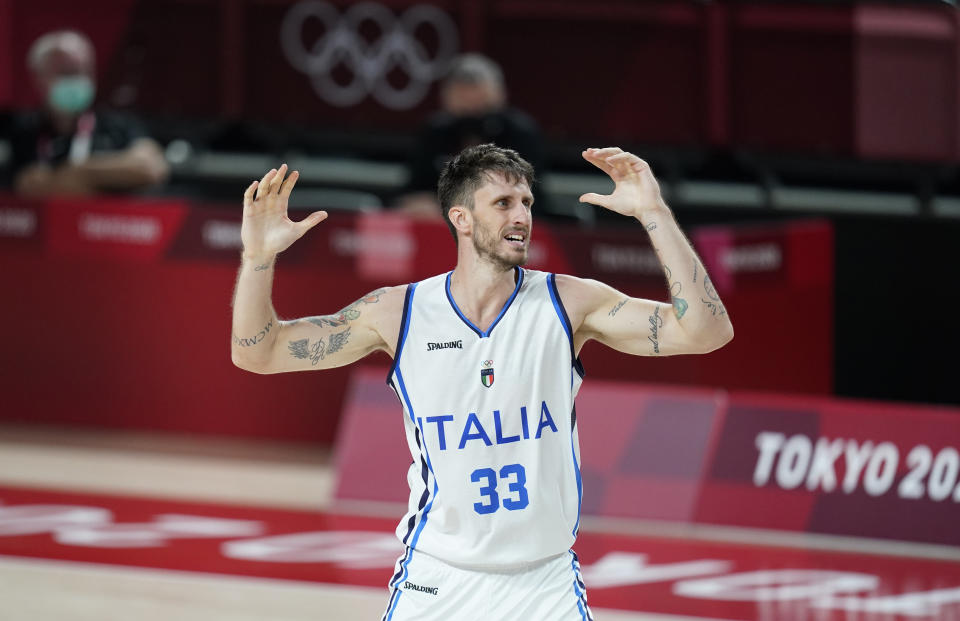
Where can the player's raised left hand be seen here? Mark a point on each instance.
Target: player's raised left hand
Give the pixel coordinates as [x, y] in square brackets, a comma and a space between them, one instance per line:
[636, 189]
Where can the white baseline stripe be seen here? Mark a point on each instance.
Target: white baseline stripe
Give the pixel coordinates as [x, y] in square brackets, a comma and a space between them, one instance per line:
[49, 590]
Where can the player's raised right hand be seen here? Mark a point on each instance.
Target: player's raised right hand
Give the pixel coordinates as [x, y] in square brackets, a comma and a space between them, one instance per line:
[266, 228]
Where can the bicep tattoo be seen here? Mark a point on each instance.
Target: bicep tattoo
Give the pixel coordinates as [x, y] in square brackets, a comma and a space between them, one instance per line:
[613, 311]
[349, 313]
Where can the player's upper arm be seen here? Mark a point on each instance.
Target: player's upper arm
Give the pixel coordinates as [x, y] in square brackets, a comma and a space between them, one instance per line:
[632, 325]
[369, 324]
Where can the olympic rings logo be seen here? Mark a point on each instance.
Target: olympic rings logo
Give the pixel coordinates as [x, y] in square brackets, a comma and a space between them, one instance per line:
[396, 47]
[487, 364]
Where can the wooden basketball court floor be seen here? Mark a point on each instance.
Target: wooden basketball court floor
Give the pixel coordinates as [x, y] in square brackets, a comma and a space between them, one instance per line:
[637, 570]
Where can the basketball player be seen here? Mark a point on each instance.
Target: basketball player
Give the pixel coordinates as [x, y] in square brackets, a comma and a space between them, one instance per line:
[486, 367]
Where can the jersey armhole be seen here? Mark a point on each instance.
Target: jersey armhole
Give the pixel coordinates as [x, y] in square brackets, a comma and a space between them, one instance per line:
[564, 321]
[404, 328]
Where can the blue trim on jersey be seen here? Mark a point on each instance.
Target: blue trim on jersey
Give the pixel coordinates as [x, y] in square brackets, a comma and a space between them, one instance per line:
[423, 520]
[404, 328]
[581, 595]
[394, 595]
[481, 333]
[576, 467]
[565, 321]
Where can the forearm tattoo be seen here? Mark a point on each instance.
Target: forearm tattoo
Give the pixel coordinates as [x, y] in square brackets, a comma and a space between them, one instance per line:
[262, 267]
[253, 340]
[713, 304]
[680, 305]
[656, 322]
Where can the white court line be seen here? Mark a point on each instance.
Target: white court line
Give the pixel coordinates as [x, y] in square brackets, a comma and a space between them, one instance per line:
[159, 475]
[48, 590]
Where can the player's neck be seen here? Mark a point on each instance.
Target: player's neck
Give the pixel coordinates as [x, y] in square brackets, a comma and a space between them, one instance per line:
[480, 289]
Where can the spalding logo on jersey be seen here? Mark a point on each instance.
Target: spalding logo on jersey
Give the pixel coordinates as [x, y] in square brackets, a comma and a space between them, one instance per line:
[486, 373]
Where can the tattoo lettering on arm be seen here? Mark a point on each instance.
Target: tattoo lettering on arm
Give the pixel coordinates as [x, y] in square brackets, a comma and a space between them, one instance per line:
[260, 268]
[253, 340]
[303, 350]
[347, 314]
[713, 304]
[716, 308]
[656, 322]
[613, 311]
[694, 273]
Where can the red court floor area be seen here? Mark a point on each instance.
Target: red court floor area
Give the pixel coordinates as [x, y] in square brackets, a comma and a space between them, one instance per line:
[658, 575]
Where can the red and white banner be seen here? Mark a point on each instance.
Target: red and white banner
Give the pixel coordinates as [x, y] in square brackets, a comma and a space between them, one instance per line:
[715, 457]
[139, 290]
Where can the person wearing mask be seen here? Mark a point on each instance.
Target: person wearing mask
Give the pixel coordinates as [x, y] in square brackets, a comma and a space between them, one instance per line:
[474, 111]
[66, 147]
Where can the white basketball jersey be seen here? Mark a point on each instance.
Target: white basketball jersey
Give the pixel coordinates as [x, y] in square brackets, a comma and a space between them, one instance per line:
[491, 425]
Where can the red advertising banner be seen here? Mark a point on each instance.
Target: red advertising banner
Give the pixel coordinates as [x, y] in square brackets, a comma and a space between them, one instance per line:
[715, 457]
[139, 290]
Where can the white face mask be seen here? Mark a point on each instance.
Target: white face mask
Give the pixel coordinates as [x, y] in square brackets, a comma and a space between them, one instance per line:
[71, 95]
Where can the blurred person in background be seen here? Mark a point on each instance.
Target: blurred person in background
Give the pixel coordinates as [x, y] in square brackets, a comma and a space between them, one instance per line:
[474, 111]
[68, 148]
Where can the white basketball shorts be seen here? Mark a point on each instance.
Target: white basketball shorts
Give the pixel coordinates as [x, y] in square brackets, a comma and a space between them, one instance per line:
[424, 588]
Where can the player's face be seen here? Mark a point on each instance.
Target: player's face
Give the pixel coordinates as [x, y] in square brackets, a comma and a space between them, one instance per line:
[502, 221]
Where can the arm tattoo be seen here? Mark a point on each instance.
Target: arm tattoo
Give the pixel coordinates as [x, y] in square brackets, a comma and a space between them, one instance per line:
[253, 340]
[656, 322]
[262, 267]
[713, 304]
[349, 313]
[709, 289]
[694, 272]
[715, 308]
[613, 311]
[679, 304]
[338, 340]
[303, 350]
[651, 226]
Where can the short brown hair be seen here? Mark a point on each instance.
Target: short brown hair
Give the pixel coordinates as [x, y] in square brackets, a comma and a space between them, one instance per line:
[464, 174]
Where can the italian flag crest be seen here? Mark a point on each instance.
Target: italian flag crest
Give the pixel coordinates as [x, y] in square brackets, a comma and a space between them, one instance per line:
[486, 373]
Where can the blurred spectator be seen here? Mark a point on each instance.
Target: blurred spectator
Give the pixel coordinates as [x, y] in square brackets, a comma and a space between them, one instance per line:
[68, 148]
[474, 111]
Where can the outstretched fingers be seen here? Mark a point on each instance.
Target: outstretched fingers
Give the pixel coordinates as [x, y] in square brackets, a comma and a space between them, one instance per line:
[599, 157]
[627, 163]
[248, 195]
[288, 184]
[595, 199]
[264, 186]
[277, 180]
[311, 221]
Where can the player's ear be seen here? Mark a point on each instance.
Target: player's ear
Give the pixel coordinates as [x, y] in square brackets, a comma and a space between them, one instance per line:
[462, 218]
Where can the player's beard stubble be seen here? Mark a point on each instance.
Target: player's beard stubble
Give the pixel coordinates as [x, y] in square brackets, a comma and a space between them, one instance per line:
[490, 248]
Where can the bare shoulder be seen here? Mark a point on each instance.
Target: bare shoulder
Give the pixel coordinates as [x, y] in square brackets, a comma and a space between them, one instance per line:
[385, 308]
[582, 296]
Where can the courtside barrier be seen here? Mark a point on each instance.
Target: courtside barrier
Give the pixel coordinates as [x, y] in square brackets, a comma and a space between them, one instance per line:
[118, 310]
[807, 464]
